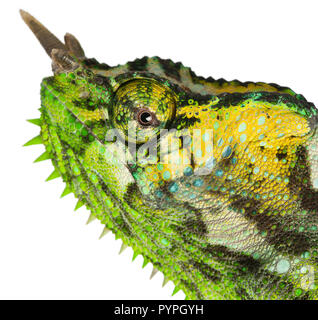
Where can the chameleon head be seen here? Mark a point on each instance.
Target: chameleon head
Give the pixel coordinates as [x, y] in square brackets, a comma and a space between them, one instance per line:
[92, 108]
[206, 182]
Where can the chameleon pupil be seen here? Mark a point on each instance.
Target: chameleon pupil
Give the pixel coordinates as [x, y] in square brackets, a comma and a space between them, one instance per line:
[145, 118]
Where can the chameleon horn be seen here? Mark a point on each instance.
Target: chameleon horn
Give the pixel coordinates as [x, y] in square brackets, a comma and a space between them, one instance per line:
[73, 46]
[46, 38]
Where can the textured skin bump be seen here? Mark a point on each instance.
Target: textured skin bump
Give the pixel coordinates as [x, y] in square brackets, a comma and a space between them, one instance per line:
[247, 228]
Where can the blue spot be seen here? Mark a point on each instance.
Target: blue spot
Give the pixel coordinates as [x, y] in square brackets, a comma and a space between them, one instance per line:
[166, 175]
[198, 182]
[219, 173]
[261, 120]
[188, 171]
[283, 266]
[159, 193]
[173, 187]
[256, 170]
[205, 137]
[187, 140]
[209, 148]
[243, 137]
[227, 151]
[199, 153]
[242, 127]
[220, 142]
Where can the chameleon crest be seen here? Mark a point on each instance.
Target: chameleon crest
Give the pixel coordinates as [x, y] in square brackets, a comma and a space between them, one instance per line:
[214, 182]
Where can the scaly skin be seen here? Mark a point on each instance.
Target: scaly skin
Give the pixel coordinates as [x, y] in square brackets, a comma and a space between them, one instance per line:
[244, 229]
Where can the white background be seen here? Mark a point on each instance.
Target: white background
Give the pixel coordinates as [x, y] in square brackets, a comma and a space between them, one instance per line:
[46, 249]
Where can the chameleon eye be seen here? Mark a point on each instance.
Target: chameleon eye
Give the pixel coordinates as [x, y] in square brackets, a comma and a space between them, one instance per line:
[142, 107]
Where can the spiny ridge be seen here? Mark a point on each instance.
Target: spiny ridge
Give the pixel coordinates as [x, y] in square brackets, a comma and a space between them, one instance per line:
[44, 156]
[37, 122]
[176, 289]
[34, 141]
[79, 204]
[91, 218]
[145, 262]
[165, 281]
[153, 273]
[123, 247]
[105, 231]
[135, 255]
[55, 174]
[66, 191]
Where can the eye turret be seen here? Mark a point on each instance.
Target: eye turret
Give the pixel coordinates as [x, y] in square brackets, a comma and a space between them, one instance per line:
[142, 107]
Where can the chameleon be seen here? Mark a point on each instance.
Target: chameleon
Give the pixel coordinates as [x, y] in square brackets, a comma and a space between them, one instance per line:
[214, 182]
